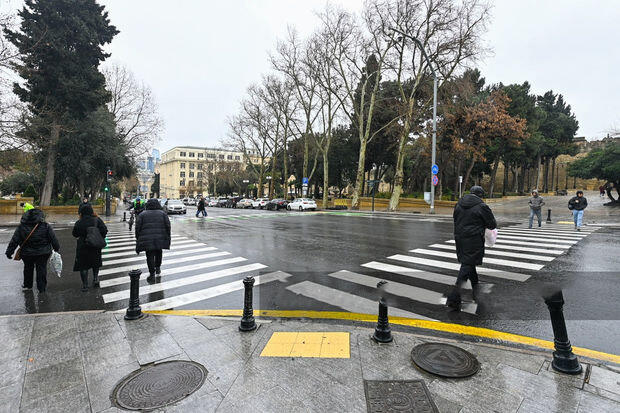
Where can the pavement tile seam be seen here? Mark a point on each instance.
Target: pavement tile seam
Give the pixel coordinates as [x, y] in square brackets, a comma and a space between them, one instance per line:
[21, 393]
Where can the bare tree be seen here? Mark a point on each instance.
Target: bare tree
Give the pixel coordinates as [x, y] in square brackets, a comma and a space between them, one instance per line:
[133, 105]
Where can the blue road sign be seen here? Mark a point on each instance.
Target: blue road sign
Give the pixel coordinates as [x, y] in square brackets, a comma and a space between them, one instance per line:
[304, 181]
[435, 169]
[435, 180]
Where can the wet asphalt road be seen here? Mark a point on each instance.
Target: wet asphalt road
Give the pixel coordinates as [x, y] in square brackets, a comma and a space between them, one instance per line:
[305, 248]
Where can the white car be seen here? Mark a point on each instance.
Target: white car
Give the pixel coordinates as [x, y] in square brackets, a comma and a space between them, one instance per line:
[191, 201]
[175, 206]
[212, 202]
[302, 204]
[244, 203]
[260, 203]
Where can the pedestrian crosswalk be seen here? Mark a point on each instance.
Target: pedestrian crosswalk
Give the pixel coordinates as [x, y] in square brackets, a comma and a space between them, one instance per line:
[420, 278]
[191, 272]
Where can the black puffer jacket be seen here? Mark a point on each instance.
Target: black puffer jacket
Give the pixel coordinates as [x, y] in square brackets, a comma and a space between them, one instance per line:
[87, 257]
[471, 217]
[152, 228]
[577, 203]
[42, 240]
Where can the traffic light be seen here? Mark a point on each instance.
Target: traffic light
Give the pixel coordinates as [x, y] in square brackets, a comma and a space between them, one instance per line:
[106, 189]
[109, 175]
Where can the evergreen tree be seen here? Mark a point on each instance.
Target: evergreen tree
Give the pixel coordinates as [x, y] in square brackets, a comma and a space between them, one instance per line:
[60, 45]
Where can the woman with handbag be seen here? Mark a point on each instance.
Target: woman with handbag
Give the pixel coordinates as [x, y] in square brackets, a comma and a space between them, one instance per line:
[36, 239]
[90, 232]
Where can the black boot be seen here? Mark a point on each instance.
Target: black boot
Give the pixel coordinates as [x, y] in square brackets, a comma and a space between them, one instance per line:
[84, 276]
[151, 278]
[454, 299]
[158, 270]
[96, 280]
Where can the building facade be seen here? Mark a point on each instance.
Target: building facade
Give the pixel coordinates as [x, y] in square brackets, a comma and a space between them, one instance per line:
[190, 170]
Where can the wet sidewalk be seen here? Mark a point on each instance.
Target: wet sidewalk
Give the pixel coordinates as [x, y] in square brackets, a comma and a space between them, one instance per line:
[73, 362]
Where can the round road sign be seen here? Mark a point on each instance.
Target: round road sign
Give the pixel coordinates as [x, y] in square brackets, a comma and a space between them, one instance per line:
[435, 169]
[435, 180]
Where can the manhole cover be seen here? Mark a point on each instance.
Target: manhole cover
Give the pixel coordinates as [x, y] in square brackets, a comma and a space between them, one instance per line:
[398, 396]
[445, 360]
[159, 385]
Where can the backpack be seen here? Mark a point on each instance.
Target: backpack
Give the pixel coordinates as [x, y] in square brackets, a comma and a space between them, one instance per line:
[94, 239]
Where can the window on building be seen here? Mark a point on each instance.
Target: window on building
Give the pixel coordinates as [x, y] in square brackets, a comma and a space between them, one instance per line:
[182, 153]
[200, 184]
[191, 174]
[182, 182]
[182, 165]
[199, 166]
[211, 155]
[199, 175]
[221, 156]
[182, 174]
[191, 154]
[237, 158]
[210, 167]
[229, 157]
[201, 155]
[192, 166]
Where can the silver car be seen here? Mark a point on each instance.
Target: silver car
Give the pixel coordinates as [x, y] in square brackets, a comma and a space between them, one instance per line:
[175, 206]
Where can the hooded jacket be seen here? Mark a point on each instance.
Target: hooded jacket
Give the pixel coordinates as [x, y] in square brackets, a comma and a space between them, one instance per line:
[471, 217]
[43, 239]
[536, 202]
[87, 257]
[152, 228]
[577, 204]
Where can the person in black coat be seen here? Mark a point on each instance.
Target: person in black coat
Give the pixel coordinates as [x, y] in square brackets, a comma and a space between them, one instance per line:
[201, 208]
[83, 202]
[153, 236]
[471, 218]
[37, 250]
[87, 257]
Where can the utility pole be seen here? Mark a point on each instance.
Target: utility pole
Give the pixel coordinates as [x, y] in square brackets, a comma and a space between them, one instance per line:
[107, 192]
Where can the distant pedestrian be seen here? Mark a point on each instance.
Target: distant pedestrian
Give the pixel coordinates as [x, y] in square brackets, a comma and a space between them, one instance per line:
[578, 204]
[201, 208]
[36, 239]
[536, 202]
[601, 189]
[87, 253]
[471, 218]
[153, 236]
[83, 202]
[26, 206]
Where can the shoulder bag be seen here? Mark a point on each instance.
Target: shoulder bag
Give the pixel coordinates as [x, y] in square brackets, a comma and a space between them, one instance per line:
[18, 253]
[94, 239]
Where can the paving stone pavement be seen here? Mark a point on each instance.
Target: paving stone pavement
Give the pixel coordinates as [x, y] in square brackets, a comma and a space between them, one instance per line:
[71, 362]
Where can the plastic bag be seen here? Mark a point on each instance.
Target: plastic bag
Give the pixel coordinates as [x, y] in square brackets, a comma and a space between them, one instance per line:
[490, 236]
[56, 263]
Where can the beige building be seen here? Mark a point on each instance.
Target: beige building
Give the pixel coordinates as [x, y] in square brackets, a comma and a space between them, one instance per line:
[189, 170]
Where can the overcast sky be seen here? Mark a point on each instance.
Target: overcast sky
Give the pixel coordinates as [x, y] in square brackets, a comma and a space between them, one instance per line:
[199, 56]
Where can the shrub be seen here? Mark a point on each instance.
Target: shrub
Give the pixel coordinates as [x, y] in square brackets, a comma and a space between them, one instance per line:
[30, 192]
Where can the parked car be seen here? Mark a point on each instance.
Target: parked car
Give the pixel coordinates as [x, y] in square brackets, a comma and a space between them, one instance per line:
[302, 204]
[162, 202]
[185, 201]
[221, 202]
[191, 201]
[232, 202]
[277, 204]
[212, 202]
[174, 206]
[260, 203]
[244, 203]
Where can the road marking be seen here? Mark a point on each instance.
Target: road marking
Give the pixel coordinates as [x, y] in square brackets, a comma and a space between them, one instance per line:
[502, 236]
[346, 301]
[200, 295]
[411, 272]
[132, 251]
[143, 266]
[542, 236]
[525, 249]
[180, 282]
[530, 243]
[308, 344]
[454, 266]
[553, 229]
[120, 237]
[171, 271]
[132, 247]
[492, 251]
[125, 243]
[165, 254]
[494, 261]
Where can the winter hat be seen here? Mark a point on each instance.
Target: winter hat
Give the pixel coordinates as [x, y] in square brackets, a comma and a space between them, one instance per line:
[153, 203]
[87, 211]
[477, 190]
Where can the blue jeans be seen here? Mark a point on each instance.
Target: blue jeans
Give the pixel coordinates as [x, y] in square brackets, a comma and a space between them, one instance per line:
[577, 217]
[538, 213]
[204, 213]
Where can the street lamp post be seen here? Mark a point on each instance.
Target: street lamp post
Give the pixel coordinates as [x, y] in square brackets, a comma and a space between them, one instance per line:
[374, 183]
[434, 142]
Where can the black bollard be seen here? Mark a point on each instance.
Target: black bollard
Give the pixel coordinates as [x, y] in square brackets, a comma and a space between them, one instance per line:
[247, 321]
[564, 360]
[383, 332]
[134, 311]
[124, 216]
[549, 215]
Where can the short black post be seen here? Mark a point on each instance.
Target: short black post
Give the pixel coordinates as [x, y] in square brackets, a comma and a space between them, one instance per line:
[549, 215]
[124, 216]
[564, 360]
[134, 311]
[383, 332]
[247, 321]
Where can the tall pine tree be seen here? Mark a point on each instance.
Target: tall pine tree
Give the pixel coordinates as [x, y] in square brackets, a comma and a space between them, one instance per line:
[60, 45]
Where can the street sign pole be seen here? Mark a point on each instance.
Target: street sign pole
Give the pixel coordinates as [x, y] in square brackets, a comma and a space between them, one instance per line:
[107, 193]
[434, 143]
[460, 189]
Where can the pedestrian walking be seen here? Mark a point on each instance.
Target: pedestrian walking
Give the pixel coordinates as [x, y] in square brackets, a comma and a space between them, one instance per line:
[36, 239]
[83, 202]
[89, 245]
[601, 189]
[536, 202]
[153, 236]
[201, 208]
[471, 218]
[578, 204]
[26, 206]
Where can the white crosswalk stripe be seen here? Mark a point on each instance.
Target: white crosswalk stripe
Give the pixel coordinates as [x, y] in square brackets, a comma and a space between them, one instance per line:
[518, 237]
[142, 265]
[165, 254]
[539, 235]
[349, 302]
[177, 246]
[132, 247]
[491, 251]
[495, 261]
[411, 272]
[133, 242]
[530, 243]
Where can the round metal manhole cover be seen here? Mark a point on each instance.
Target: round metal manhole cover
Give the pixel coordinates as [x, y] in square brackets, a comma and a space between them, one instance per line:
[445, 360]
[159, 385]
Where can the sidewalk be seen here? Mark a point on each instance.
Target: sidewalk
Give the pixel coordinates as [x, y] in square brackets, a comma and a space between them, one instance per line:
[72, 363]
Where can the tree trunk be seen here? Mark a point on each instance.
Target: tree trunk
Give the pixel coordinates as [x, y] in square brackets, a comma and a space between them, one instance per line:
[398, 174]
[552, 174]
[50, 169]
[505, 183]
[359, 177]
[325, 176]
[538, 161]
[546, 176]
[515, 179]
[468, 173]
[493, 175]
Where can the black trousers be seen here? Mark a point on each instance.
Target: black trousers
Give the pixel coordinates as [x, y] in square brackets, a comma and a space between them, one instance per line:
[153, 260]
[466, 272]
[40, 262]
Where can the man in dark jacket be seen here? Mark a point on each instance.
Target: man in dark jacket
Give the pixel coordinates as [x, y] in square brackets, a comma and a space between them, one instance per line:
[153, 236]
[201, 208]
[83, 203]
[471, 217]
[36, 251]
[578, 204]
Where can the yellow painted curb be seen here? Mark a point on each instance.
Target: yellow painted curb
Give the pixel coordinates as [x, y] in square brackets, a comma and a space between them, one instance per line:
[565, 222]
[410, 322]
